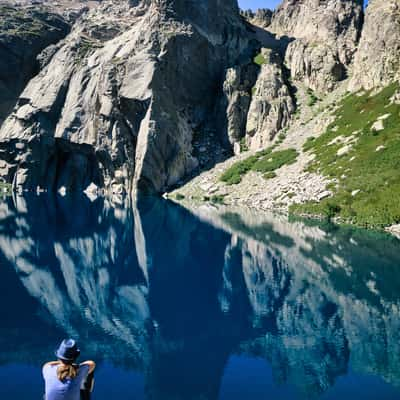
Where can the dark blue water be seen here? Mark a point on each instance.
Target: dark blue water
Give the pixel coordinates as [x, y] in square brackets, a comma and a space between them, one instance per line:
[203, 304]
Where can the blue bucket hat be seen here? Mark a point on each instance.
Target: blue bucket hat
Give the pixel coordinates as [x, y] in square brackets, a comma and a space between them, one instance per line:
[68, 351]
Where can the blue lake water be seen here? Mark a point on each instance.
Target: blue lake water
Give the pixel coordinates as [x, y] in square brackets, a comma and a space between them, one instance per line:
[212, 303]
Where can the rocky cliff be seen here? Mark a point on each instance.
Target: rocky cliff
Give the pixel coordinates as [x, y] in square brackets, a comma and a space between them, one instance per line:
[323, 37]
[377, 61]
[119, 102]
[272, 103]
[143, 95]
[261, 17]
[24, 34]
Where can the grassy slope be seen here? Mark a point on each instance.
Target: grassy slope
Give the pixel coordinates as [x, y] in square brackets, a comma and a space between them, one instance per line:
[367, 192]
[265, 162]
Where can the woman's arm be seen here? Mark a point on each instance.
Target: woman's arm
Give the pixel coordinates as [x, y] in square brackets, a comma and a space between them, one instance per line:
[91, 364]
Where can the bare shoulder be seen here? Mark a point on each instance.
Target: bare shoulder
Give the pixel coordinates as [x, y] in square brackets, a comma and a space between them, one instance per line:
[50, 364]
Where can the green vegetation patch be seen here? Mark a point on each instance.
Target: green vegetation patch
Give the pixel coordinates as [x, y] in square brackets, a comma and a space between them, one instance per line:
[362, 157]
[273, 161]
[234, 174]
[265, 162]
[23, 23]
[5, 189]
[312, 98]
[243, 145]
[86, 48]
[218, 199]
[270, 175]
[259, 59]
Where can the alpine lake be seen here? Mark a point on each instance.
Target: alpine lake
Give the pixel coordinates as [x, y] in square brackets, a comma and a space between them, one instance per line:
[203, 303]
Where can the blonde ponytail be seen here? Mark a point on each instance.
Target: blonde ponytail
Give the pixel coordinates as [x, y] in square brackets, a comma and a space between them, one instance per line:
[66, 371]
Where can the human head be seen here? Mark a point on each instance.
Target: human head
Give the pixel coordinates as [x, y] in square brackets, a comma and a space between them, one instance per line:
[68, 351]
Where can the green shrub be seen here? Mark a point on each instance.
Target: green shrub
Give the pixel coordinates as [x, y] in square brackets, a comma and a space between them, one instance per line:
[291, 195]
[218, 199]
[259, 59]
[233, 175]
[5, 189]
[331, 210]
[264, 161]
[312, 98]
[269, 175]
[275, 160]
[309, 143]
[282, 136]
[243, 145]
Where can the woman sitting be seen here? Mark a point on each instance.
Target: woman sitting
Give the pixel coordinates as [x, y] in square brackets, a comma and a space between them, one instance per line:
[63, 378]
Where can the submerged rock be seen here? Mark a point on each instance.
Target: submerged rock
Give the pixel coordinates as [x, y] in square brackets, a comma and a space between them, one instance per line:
[394, 230]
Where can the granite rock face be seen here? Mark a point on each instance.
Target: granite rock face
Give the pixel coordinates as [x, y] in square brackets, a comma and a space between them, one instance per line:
[323, 37]
[316, 42]
[261, 17]
[143, 94]
[377, 61]
[24, 33]
[119, 101]
[271, 105]
[235, 103]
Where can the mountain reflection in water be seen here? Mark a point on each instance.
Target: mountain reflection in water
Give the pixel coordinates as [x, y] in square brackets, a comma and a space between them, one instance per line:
[184, 299]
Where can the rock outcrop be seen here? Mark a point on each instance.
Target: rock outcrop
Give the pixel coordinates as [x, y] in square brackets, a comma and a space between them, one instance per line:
[119, 101]
[316, 42]
[235, 103]
[377, 61]
[271, 105]
[261, 17]
[24, 34]
[323, 37]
